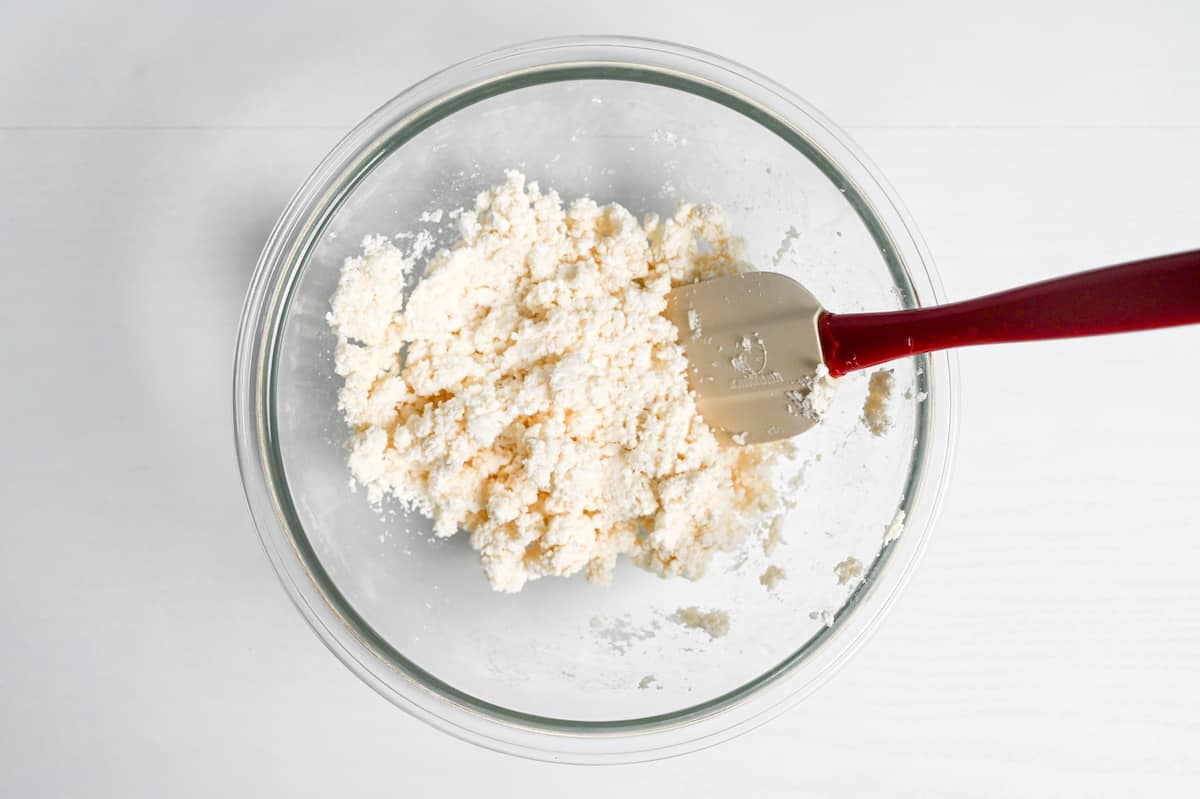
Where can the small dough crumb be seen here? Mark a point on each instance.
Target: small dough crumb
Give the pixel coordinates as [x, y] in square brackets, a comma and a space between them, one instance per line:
[647, 682]
[847, 570]
[815, 396]
[826, 617]
[772, 577]
[875, 411]
[895, 527]
[713, 622]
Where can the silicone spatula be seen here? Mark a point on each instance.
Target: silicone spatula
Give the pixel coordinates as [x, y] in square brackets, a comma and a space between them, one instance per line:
[754, 341]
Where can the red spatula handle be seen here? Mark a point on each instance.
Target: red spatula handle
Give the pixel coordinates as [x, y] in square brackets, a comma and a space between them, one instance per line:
[1158, 292]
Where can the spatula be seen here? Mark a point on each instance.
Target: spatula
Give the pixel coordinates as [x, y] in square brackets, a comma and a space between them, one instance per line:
[755, 341]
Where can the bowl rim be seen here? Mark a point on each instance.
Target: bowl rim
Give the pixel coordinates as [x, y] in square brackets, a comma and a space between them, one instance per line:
[284, 257]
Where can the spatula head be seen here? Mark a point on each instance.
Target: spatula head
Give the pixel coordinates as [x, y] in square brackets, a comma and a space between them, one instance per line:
[753, 349]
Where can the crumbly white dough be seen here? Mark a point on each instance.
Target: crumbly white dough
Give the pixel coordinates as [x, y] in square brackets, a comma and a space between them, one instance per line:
[531, 391]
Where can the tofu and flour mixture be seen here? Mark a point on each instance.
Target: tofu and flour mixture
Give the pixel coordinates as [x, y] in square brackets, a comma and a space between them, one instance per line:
[531, 392]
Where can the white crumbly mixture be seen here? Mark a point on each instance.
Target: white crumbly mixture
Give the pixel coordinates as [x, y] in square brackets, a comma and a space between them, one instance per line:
[531, 391]
[713, 622]
[875, 409]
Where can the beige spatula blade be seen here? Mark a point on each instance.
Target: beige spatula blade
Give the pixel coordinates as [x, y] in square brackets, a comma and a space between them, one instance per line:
[753, 349]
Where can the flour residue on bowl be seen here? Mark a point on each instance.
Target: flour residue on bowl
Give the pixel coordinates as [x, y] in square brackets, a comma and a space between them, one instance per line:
[621, 634]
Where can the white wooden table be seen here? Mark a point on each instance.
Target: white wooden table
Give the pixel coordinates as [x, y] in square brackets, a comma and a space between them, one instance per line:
[1050, 644]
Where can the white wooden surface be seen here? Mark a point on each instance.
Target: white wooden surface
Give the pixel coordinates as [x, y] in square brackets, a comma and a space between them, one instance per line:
[1049, 644]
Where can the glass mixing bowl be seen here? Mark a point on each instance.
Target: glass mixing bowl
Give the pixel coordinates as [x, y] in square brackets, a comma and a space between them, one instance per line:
[566, 670]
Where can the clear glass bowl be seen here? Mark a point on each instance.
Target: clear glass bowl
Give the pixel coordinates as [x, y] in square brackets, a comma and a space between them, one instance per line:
[565, 670]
